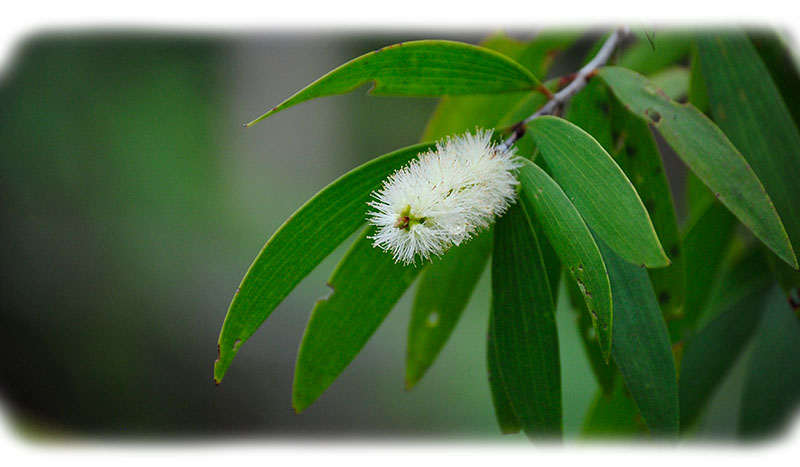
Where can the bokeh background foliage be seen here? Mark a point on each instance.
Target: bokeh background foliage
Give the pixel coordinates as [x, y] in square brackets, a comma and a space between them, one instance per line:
[132, 201]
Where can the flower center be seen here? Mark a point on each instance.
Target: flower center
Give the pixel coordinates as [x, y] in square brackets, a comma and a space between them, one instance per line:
[406, 220]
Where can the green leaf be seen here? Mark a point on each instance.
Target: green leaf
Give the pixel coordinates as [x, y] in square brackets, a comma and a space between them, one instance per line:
[776, 51]
[698, 96]
[442, 294]
[603, 371]
[707, 152]
[503, 411]
[614, 414]
[366, 285]
[426, 68]
[537, 54]
[698, 199]
[636, 152]
[552, 264]
[573, 243]
[457, 114]
[748, 107]
[445, 286]
[299, 245]
[704, 246]
[668, 48]
[712, 352]
[674, 81]
[599, 190]
[641, 347]
[590, 110]
[744, 274]
[525, 328]
[772, 386]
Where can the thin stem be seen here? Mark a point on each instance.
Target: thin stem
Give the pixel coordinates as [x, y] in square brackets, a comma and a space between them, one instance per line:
[579, 82]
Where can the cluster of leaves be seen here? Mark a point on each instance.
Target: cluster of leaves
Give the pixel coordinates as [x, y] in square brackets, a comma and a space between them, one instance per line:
[664, 311]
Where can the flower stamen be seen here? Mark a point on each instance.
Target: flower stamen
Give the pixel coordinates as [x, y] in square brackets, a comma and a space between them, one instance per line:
[444, 197]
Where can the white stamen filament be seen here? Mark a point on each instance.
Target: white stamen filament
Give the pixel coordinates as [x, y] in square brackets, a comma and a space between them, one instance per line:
[443, 197]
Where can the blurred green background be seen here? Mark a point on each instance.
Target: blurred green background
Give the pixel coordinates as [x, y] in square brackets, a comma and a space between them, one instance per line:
[133, 202]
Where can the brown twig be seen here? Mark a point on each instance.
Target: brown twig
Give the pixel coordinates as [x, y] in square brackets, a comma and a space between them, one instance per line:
[578, 82]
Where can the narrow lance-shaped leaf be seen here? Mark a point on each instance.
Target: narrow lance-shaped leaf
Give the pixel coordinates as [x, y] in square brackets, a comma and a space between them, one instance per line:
[456, 114]
[674, 81]
[697, 199]
[776, 51]
[705, 244]
[712, 352]
[574, 245]
[525, 328]
[748, 107]
[599, 190]
[442, 294]
[707, 152]
[603, 371]
[299, 245]
[428, 68]
[636, 153]
[506, 418]
[366, 285]
[771, 394]
[668, 48]
[446, 286]
[641, 347]
[552, 263]
[748, 272]
[698, 96]
[590, 110]
[614, 414]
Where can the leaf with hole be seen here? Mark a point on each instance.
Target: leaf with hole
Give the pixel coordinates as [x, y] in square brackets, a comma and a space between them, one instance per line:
[707, 152]
[299, 245]
[366, 285]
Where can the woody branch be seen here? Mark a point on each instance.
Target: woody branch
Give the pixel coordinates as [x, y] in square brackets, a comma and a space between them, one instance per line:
[579, 82]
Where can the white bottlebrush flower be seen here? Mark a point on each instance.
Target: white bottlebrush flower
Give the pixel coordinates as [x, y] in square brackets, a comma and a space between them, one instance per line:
[444, 196]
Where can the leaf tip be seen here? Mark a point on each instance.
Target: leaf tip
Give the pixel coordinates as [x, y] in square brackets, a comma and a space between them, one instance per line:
[661, 261]
[794, 263]
[299, 404]
[411, 381]
[262, 117]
